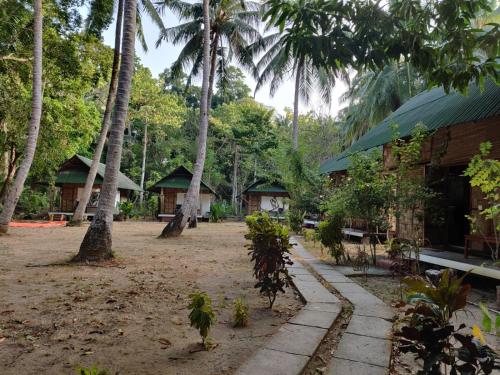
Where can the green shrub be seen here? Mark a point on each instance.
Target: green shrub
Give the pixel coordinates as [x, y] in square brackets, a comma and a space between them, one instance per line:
[295, 219]
[330, 235]
[269, 251]
[309, 234]
[201, 316]
[126, 209]
[240, 313]
[429, 332]
[217, 212]
[91, 371]
[31, 203]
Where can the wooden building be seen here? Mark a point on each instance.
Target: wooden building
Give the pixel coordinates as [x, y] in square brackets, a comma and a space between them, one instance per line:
[71, 179]
[266, 196]
[457, 125]
[172, 190]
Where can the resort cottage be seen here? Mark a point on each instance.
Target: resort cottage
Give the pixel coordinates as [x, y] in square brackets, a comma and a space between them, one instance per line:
[457, 124]
[172, 190]
[71, 179]
[266, 196]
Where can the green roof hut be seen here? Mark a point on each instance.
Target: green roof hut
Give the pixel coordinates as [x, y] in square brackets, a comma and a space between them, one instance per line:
[457, 125]
[71, 179]
[266, 196]
[172, 190]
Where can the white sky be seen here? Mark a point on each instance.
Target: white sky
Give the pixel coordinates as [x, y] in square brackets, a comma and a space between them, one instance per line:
[159, 59]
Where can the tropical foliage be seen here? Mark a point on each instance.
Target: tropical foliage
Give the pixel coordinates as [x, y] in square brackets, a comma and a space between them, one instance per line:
[269, 252]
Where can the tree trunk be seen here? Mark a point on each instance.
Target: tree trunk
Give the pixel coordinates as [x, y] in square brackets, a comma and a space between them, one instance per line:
[234, 193]
[193, 220]
[295, 123]
[97, 243]
[34, 126]
[176, 226]
[143, 169]
[89, 182]
[11, 162]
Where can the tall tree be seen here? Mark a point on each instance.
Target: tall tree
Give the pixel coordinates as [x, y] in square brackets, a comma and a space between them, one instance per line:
[292, 52]
[100, 18]
[374, 94]
[97, 243]
[34, 126]
[233, 25]
[106, 120]
[177, 225]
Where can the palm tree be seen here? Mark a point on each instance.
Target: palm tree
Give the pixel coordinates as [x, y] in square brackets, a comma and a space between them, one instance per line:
[293, 52]
[233, 26]
[372, 95]
[99, 18]
[176, 226]
[14, 193]
[97, 242]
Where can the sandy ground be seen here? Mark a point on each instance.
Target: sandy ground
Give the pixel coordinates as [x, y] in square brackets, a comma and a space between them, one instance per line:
[131, 317]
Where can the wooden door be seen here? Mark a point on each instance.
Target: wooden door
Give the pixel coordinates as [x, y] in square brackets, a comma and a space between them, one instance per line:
[253, 203]
[169, 203]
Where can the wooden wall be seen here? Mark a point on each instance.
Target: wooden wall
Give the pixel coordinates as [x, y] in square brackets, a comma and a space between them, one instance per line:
[453, 146]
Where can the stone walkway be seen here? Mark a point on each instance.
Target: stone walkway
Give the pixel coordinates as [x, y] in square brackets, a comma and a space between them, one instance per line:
[365, 346]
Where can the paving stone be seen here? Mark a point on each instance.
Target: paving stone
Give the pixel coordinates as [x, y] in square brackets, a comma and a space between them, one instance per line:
[347, 289]
[321, 319]
[340, 366]
[305, 277]
[298, 271]
[334, 277]
[364, 349]
[315, 292]
[267, 361]
[377, 310]
[361, 299]
[370, 326]
[296, 339]
[327, 307]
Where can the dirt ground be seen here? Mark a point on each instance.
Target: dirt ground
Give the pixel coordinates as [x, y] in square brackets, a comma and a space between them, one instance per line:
[130, 317]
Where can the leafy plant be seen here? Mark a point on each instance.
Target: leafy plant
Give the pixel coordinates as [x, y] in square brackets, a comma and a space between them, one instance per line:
[240, 313]
[431, 336]
[411, 195]
[269, 250]
[126, 209]
[201, 316]
[309, 234]
[31, 203]
[91, 371]
[217, 212]
[295, 219]
[484, 173]
[330, 235]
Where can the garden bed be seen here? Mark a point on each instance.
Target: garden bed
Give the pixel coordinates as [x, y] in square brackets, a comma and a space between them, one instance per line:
[129, 316]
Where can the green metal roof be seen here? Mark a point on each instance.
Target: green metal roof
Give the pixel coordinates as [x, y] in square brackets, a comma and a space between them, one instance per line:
[75, 171]
[435, 109]
[342, 162]
[180, 178]
[262, 186]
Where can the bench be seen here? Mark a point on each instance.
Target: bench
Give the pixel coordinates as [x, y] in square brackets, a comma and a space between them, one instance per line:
[474, 237]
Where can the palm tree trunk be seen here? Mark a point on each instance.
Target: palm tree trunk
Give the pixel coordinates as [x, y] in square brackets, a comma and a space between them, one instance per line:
[193, 221]
[113, 84]
[177, 225]
[97, 243]
[14, 193]
[295, 123]
[143, 169]
[234, 193]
